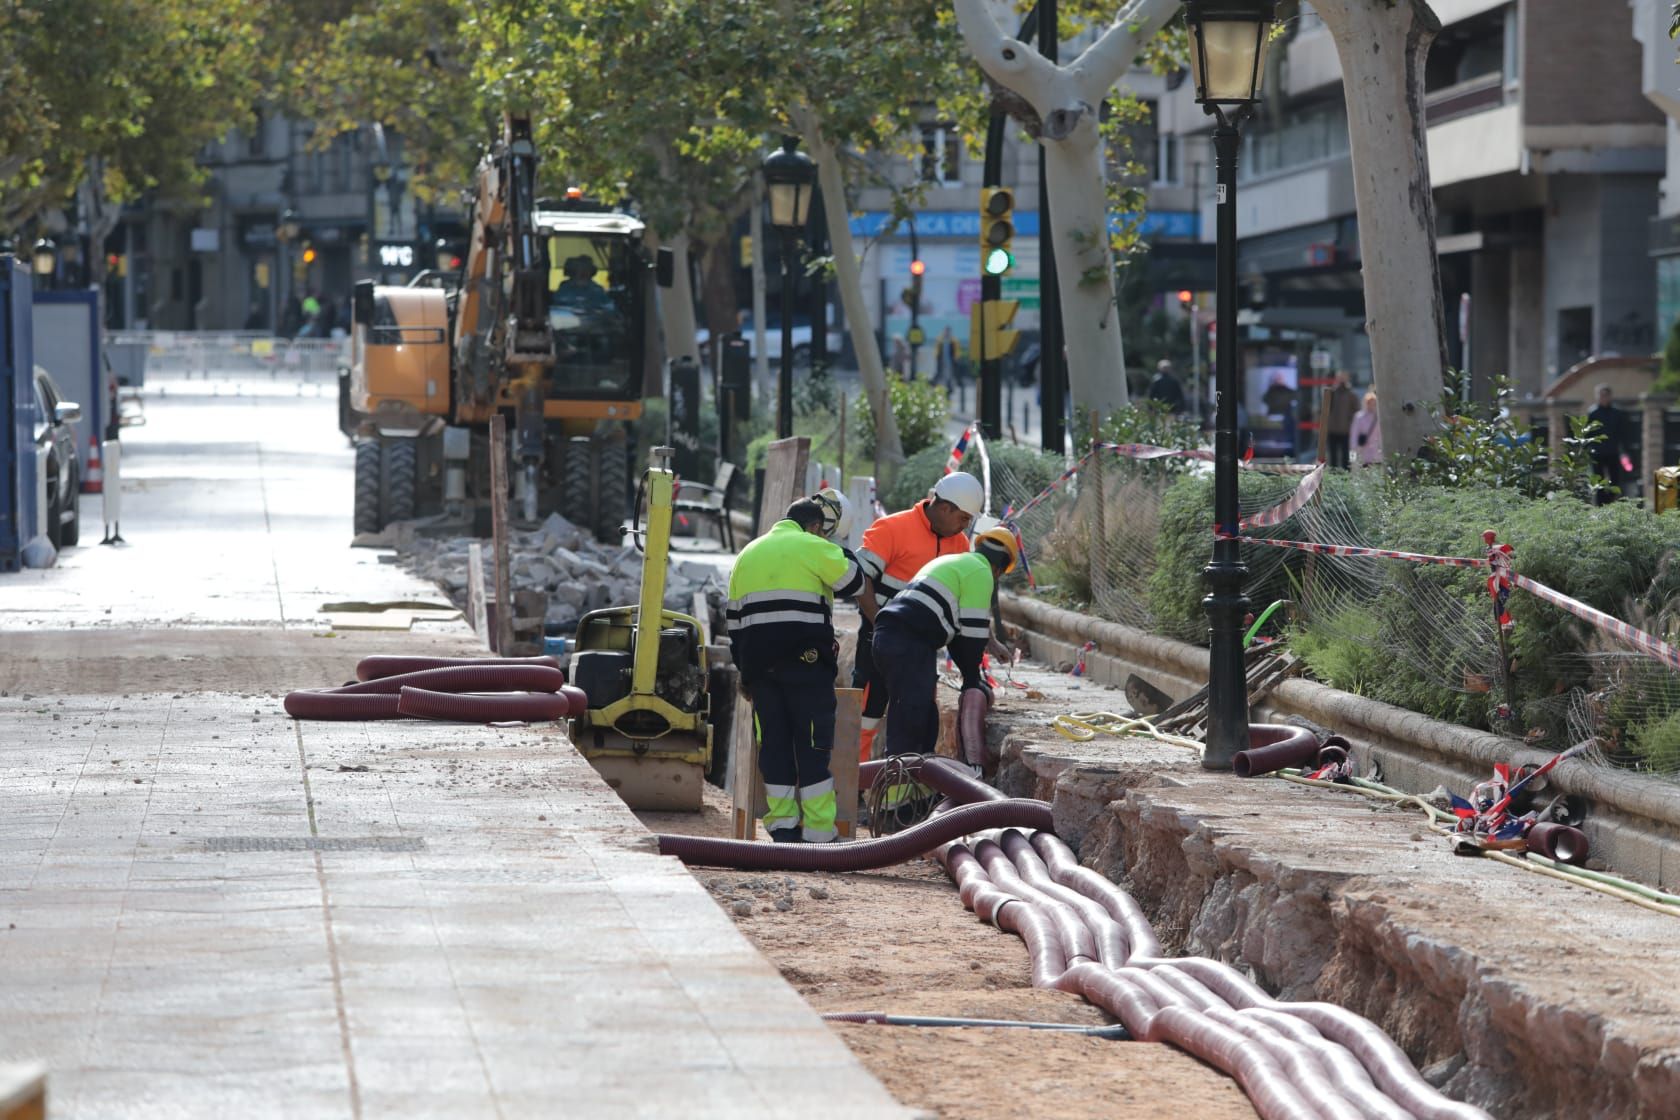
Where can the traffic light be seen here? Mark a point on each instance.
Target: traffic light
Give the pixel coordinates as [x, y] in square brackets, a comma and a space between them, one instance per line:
[997, 230]
[989, 335]
[912, 296]
[309, 254]
[1186, 298]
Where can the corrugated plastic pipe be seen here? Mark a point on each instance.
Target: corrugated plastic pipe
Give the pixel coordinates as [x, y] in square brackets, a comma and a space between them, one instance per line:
[465, 678]
[1386, 1064]
[1275, 746]
[479, 707]
[337, 705]
[389, 665]
[866, 855]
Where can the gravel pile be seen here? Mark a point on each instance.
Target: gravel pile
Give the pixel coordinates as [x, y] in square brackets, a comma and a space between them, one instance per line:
[564, 563]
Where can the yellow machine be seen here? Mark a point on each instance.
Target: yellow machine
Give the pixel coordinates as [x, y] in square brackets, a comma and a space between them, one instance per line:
[547, 320]
[647, 728]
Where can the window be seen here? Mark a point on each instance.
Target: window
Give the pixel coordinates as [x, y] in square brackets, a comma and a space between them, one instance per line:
[1303, 136]
[1470, 51]
[256, 143]
[941, 154]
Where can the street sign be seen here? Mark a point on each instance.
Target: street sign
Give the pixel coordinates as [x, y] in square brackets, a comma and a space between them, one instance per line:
[916, 336]
[1023, 289]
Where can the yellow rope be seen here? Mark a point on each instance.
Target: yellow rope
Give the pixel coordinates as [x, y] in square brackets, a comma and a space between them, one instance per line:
[1082, 727]
[1555, 870]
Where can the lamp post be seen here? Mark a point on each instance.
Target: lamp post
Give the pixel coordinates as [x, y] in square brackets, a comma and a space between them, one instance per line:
[45, 262]
[1227, 54]
[788, 178]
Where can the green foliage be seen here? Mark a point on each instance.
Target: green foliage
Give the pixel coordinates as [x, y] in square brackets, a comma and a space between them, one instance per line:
[1657, 742]
[921, 409]
[1486, 447]
[1344, 653]
[1142, 421]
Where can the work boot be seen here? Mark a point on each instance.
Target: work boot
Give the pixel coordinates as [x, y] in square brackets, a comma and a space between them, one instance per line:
[787, 835]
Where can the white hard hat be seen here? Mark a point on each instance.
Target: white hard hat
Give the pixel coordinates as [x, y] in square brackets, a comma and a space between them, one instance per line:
[962, 490]
[837, 513]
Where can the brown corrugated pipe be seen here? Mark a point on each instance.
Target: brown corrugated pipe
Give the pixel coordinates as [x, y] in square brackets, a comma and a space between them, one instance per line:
[308, 704]
[1561, 842]
[484, 677]
[1275, 746]
[389, 665]
[972, 707]
[479, 707]
[944, 775]
[866, 855]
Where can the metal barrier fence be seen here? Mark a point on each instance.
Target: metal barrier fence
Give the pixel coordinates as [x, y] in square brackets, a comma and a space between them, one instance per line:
[137, 355]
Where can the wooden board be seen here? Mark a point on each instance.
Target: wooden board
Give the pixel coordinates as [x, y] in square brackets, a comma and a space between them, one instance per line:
[784, 478]
[23, 1091]
[475, 592]
[746, 788]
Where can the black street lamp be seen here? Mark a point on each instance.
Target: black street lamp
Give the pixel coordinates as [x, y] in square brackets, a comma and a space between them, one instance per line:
[45, 262]
[788, 178]
[1227, 54]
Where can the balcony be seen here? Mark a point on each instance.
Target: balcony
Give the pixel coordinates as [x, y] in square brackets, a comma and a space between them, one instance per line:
[1485, 91]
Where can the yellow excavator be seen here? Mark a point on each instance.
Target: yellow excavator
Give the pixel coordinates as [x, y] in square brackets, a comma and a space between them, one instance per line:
[548, 320]
[647, 727]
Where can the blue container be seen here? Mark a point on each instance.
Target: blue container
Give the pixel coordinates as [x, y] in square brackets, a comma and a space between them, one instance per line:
[557, 647]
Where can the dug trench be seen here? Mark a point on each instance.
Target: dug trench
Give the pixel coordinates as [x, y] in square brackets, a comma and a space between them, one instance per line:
[1522, 995]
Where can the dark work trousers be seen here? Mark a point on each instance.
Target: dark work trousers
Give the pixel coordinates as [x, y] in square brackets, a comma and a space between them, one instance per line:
[867, 677]
[1339, 449]
[910, 667]
[794, 707]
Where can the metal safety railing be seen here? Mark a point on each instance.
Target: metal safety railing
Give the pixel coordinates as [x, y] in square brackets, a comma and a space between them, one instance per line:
[137, 356]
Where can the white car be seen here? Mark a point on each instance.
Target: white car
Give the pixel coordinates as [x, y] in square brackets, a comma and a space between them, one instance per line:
[773, 339]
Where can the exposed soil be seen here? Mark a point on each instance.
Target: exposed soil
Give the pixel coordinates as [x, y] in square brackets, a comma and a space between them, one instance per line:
[900, 941]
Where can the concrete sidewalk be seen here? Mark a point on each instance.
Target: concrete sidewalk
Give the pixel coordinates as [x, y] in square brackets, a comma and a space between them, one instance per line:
[208, 910]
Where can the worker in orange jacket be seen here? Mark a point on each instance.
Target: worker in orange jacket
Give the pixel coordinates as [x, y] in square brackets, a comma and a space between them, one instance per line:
[893, 550]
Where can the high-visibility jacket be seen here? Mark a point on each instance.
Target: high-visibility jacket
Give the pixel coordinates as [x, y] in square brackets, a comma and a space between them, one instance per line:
[949, 603]
[899, 545]
[781, 600]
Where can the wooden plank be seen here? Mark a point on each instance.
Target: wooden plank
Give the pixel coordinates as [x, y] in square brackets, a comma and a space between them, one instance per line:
[743, 771]
[475, 593]
[503, 632]
[784, 478]
[843, 760]
[23, 1091]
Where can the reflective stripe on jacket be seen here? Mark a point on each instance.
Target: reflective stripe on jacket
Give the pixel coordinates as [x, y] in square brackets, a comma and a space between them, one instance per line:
[899, 545]
[948, 603]
[781, 599]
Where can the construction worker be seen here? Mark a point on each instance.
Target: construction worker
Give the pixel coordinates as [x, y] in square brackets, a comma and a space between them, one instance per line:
[947, 606]
[781, 629]
[894, 549]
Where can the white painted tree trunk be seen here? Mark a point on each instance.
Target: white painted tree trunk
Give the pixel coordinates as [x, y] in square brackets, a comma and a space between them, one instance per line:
[761, 324]
[1382, 45]
[850, 284]
[1067, 100]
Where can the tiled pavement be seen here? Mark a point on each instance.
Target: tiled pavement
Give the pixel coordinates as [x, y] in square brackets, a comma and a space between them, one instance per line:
[208, 910]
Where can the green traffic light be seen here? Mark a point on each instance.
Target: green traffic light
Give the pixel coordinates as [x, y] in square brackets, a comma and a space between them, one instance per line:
[998, 262]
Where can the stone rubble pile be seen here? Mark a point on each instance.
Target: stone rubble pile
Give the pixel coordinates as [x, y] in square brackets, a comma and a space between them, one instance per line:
[567, 564]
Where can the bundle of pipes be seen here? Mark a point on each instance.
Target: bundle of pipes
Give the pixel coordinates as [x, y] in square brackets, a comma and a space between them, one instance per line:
[1084, 934]
[464, 689]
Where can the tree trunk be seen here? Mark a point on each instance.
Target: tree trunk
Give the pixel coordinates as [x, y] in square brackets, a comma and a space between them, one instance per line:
[1066, 99]
[850, 283]
[717, 286]
[1382, 46]
[760, 314]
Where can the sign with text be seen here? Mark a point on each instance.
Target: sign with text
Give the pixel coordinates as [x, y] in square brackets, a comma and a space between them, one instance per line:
[396, 254]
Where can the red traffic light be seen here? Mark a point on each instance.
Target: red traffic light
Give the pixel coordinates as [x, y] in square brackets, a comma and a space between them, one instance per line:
[917, 268]
[1186, 296]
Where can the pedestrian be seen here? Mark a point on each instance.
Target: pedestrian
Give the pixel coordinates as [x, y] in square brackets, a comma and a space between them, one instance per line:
[892, 551]
[1340, 405]
[947, 606]
[900, 355]
[1164, 387]
[945, 359]
[254, 317]
[1279, 399]
[781, 634]
[1366, 431]
[1610, 453]
[291, 317]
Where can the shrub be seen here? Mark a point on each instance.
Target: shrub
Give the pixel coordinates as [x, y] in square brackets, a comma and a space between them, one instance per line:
[1486, 447]
[1142, 421]
[1668, 381]
[921, 409]
[1015, 470]
[1344, 652]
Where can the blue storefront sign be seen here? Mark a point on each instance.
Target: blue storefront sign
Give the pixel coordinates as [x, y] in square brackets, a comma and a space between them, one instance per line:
[966, 223]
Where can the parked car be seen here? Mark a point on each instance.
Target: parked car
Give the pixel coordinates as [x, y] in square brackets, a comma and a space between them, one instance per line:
[773, 339]
[55, 430]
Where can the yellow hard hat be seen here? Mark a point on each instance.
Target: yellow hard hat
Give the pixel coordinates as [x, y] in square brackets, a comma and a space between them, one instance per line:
[1002, 540]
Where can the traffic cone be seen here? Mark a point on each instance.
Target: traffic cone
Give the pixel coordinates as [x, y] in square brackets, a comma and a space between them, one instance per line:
[93, 481]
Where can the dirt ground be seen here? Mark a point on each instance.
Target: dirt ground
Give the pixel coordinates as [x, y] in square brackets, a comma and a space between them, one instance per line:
[900, 941]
